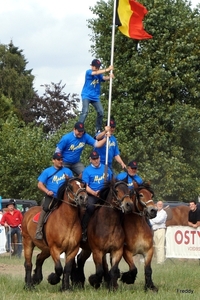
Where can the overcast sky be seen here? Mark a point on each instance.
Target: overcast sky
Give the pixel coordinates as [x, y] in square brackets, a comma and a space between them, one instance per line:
[53, 36]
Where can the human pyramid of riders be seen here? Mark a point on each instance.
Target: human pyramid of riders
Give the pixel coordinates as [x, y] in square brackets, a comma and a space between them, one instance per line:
[66, 159]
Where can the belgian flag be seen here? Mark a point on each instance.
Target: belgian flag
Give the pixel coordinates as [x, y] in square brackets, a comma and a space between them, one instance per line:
[129, 17]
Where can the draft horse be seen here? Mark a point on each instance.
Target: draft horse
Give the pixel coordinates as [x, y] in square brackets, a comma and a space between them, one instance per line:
[177, 216]
[105, 235]
[62, 233]
[138, 235]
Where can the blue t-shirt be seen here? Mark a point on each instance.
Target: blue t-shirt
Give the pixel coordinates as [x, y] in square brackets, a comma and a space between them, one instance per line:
[53, 183]
[94, 177]
[136, 178]
[71, 146]
[92, 86]
[113, 151]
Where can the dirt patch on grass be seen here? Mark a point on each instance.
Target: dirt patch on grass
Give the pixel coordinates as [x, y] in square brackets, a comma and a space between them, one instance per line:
[11, 269]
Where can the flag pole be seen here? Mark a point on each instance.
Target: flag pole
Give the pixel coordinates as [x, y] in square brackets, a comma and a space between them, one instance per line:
[110, 84]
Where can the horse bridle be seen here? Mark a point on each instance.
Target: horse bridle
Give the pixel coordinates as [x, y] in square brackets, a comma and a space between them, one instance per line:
[144, 204]
[69, 191]
[118, 200]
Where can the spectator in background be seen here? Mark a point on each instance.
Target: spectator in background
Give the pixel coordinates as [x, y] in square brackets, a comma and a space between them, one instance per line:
[194, 215]
[1, 214]
[12, 220]
[159, 226]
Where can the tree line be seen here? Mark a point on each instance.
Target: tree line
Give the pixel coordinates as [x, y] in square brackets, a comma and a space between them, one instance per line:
[155, 102]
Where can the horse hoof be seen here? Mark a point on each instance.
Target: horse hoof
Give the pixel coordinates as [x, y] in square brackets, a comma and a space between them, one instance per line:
[53, 279]
[152, 288]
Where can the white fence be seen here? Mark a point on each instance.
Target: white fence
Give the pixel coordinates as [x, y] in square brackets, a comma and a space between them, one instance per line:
[2, 239]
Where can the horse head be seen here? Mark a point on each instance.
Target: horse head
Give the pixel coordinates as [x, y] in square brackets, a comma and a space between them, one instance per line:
[144, 203]
[117, 195]
[76, 191]
[123, 196]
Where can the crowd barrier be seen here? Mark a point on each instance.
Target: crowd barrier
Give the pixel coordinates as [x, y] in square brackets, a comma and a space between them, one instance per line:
[3, 241]
[183, 242]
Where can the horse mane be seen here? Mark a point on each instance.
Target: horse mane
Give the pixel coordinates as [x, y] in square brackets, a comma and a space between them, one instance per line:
[62, 188]
[146, 185]
[108, 185]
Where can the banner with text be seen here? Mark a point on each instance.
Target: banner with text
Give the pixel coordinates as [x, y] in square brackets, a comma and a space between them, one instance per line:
[2, 239]
[183, 242]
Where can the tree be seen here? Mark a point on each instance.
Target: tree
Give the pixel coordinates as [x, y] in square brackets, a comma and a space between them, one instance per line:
[155, 95]
[16, 82]
[51, 110]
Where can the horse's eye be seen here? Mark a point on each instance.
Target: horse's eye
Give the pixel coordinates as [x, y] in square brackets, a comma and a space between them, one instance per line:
[141, 195]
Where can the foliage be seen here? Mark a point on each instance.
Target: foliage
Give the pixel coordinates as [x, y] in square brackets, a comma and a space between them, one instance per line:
[16, 82]
[24, 152]
[155, 94]
[51, 110]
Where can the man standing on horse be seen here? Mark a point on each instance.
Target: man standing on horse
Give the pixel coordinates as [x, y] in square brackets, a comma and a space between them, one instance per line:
[131, 175]
[72, 144]
[49, 182]
[94, 177]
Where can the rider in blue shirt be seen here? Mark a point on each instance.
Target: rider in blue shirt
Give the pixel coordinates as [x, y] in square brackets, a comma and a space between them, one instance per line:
[91, 91]
[131, 175]
[113, 149]
[94, 177]
[49, 182]
[72, 144]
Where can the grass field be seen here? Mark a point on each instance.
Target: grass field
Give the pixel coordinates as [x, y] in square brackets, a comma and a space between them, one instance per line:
[176, 279]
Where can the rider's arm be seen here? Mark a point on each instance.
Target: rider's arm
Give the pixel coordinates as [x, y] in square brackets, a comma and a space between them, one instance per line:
[90, 191]
[43, 188]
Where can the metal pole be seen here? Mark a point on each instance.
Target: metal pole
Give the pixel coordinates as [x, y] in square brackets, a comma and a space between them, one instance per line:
[110, 85]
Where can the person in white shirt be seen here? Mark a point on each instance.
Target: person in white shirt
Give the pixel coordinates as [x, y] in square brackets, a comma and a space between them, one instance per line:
[159, 226]
[1, 214]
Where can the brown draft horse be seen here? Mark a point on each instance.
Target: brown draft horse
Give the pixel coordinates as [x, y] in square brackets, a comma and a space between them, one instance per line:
[62, 233]
[138, 235]
[105, 235]
[177, 215]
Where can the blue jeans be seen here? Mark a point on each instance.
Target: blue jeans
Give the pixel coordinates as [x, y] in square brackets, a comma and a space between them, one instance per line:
[10, 234]
[99, 109]
[76, 168]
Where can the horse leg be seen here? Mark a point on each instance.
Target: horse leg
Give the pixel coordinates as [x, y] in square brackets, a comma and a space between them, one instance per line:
[28, 253]
[37, 276]
[130, 276]
[148, 271]
[54, 278]
[96, 279]
[77, 274]
[114, 271]
[68, 269]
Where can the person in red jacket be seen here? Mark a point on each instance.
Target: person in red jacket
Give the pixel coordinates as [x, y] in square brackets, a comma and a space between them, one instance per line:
[12, 220]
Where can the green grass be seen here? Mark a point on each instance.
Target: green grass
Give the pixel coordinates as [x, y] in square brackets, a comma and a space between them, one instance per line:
[170, 278]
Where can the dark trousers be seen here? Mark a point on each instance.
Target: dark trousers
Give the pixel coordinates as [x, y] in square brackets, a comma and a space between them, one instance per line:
[92, 200]
[10, 234]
